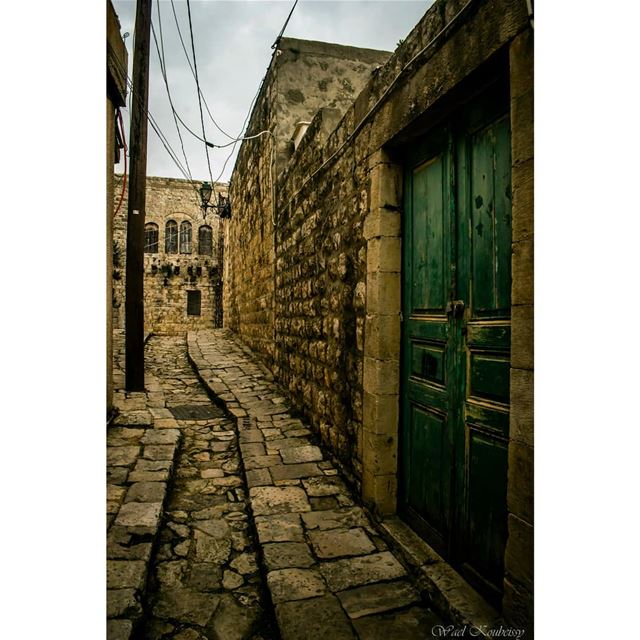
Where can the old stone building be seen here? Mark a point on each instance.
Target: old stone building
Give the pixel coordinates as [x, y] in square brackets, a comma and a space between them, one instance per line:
[116, 92]
[182, 258]
[380, 259]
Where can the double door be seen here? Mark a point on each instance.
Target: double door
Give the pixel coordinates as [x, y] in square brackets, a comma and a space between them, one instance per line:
[456, 340]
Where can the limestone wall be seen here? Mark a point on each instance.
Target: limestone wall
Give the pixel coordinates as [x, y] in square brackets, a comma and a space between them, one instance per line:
[304, 76]
[169, 276]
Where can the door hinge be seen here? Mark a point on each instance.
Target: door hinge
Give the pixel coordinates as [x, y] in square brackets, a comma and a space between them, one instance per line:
[401, 317]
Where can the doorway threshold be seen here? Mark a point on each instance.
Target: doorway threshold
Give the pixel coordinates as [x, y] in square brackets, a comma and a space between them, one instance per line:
[451, 595]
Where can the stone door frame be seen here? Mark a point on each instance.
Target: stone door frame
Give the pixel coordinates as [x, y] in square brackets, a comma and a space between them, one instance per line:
[382, 343]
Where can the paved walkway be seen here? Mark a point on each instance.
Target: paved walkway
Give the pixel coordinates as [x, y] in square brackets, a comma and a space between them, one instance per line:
[234, 525]
[329, 573]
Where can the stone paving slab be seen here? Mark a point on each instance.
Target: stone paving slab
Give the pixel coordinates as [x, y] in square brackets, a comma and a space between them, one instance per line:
[329, 572]
[140, 458]
[204, 578]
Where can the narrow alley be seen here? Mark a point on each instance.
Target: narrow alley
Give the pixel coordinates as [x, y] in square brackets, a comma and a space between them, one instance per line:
[282, 550]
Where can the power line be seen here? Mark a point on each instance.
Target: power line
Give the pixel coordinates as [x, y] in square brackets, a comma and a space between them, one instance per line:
[195, 66]
[284, 26]
[161, 136]
[163, 70]
[184, 48]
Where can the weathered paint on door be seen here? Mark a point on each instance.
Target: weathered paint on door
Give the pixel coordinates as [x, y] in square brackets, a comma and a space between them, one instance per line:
[456, 340]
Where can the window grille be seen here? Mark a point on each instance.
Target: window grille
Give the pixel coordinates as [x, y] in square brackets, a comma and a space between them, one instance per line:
[151, 237]
[185, 237]
[171, 237]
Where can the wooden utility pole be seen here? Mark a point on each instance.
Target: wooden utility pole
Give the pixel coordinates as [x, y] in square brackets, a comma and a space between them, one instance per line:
[134, 303]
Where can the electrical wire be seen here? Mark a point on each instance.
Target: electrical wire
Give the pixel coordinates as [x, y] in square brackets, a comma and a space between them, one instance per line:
[163, 70]
[286, 22]
[379, 101]
[161, 136]
[195, 66]
[184, 48]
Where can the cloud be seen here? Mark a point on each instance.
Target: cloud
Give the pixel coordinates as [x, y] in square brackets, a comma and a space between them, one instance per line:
[233, 48]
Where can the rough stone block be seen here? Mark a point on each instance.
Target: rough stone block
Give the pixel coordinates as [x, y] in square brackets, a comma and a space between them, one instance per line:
[518, 559]
[295, 584]
[522, 273]
[380, 413]
[258, 478]
[294, 471]
[279, 528]
[520, 484]
[381, 377]
[273, 500]
[250, 449]
[119, 629]
[522, 201]
[522, 337]
[352, 572]
[384, 254]
[122, 603]
[521, 396]
[159, 452]
[185, 605]
[314, 619]
[139, 514]
[340, 543]
[385, 189]
[123, 574]
[305, 453]
[282, 555]
[381, 222]
[258, 462]
[383, 293]
[212, 548]
[381, 491]
[382, 337]
[164, 436]
[122, 456]
[343, 518]
[316, 487]
[377, 598]
[379, 454]
[146, 492]
[414, 624]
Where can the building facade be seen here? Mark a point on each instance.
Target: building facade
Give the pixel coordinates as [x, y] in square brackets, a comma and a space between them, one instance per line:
[182, 274]
[380, 260]
[116, 94]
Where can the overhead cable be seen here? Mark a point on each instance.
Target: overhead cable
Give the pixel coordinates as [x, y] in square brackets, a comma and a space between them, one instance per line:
[195, 66]
[163, 70]
[284, 26]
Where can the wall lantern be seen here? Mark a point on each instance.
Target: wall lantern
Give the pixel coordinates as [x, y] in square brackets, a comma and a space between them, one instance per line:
[223, 208]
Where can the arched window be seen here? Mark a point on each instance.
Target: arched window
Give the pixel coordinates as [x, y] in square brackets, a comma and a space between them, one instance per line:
[185, 237]
[171, 237]
[151, 237]
[205, 240]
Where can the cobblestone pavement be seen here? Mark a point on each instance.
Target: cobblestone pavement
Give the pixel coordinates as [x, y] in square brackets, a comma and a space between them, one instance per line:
[204, 581]
[329, 573]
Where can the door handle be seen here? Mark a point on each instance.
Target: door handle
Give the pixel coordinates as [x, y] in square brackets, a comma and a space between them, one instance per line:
[456, 308]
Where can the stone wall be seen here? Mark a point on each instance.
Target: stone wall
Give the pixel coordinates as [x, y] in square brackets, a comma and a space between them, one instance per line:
[169, 276]
[303, 77]
[325, 309]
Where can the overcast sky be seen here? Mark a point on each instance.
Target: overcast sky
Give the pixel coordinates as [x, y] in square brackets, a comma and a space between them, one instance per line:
[233, 41]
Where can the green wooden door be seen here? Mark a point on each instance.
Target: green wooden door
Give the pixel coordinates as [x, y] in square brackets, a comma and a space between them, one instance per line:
[456, 337]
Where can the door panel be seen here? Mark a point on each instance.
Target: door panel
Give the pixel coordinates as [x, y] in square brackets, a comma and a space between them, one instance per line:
[427, 267]
[456, 340]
